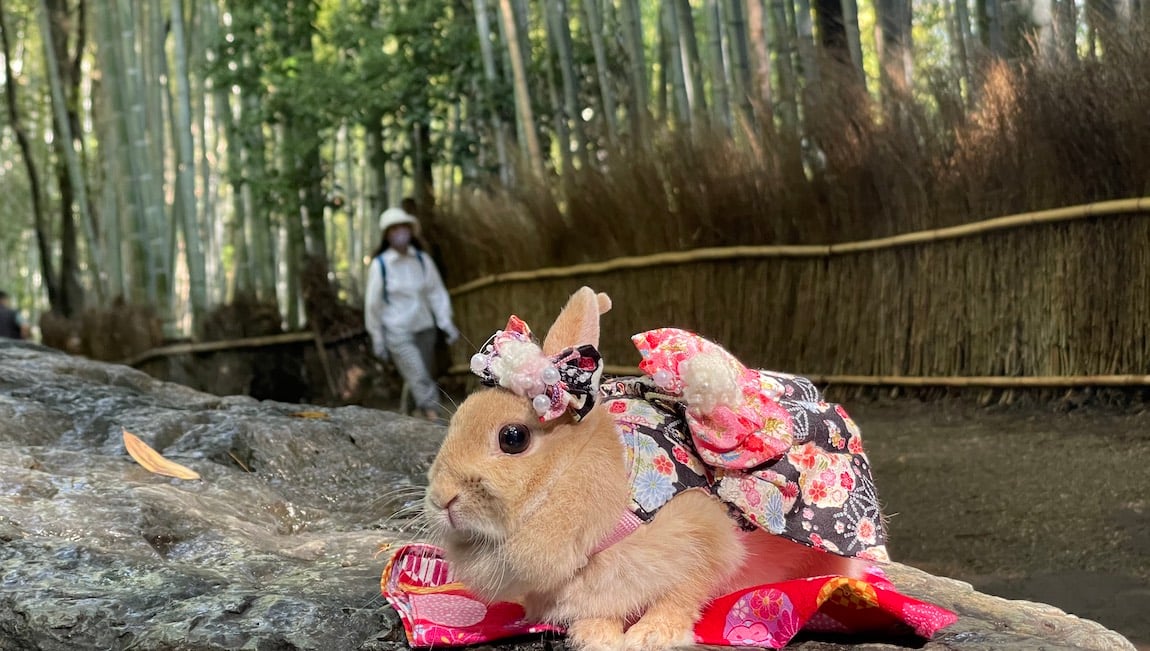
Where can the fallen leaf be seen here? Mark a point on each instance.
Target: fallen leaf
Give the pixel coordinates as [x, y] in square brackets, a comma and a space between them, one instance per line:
[153, 461]
[309, 414]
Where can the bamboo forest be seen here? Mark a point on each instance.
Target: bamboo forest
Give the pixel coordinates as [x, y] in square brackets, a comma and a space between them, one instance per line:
[179, 154]
[549, 325]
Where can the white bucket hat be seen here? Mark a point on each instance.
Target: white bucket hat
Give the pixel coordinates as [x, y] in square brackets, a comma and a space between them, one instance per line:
[395, 217]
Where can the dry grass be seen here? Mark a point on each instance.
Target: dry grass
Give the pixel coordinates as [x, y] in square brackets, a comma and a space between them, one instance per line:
[112, 333]
[1037, 138]
[1056, 299]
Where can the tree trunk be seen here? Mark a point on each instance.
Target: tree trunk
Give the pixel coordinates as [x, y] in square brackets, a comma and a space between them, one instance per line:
[147, 171]
[16, 123]
[740, 55]
[894, 46]
[962, 41]
[637, 68]
[562, 135]
[832, 29]
[990, 26]
[720, 99]
[663, 96]
[523, 112]
[560, 25]
[1109, 20]
[485, 50]
[1066, 29]
[153, 31]
[786, 40]
[677, 64]
[606, 92]
[118, 91]
[1041, 26]
[186, 176]
[263, 252]
[109, 172]
[808, 56]
[760, 46]
[202, 28]
[377, 164]
[423, 165]
[54, 20]
[294, 235]
[850, 11]
[243, 280]
[689, 51]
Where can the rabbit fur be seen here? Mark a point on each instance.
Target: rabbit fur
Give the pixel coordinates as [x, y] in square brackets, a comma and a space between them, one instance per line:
[527, 527]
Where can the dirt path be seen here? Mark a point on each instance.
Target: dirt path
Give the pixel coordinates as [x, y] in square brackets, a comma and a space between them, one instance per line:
[1022, 502]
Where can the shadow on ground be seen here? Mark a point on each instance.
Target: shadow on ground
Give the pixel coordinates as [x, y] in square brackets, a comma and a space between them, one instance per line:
[1022, 502]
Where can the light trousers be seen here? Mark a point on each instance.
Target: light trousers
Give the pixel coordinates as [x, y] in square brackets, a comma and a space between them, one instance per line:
[414, 358]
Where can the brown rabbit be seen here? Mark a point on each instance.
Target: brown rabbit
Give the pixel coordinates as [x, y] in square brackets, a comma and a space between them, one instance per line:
[537, 510]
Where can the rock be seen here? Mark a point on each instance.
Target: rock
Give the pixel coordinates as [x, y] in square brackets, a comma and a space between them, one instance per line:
[278, 546]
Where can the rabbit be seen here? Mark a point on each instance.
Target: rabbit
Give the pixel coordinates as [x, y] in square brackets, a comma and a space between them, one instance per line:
[527, 507]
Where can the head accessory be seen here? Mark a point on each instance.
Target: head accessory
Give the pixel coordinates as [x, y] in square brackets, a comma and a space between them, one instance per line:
[567, 381]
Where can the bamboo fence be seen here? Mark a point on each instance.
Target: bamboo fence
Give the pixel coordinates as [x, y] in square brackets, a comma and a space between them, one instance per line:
[192, 348]
[1048, 299]
[1055, 298]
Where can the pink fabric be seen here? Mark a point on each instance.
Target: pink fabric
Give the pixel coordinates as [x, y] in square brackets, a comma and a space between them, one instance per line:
[625, 527]
[436, 611]
[740, 436]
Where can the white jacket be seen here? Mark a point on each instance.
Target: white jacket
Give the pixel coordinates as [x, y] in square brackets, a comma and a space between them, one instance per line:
[413, 300]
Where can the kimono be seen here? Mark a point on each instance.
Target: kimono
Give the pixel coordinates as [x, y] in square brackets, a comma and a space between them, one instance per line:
[779, 456]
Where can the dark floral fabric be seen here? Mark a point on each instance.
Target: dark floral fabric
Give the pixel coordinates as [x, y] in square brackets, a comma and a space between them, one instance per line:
[819, 492]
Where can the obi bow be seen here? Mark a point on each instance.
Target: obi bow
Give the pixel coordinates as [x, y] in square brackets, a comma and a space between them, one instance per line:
[733, 413]
[567, 381]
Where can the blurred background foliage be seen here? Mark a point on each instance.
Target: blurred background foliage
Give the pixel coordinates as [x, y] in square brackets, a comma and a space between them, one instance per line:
[180, 155]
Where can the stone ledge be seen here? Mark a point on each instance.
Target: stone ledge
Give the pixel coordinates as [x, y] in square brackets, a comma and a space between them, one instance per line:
[279, 552]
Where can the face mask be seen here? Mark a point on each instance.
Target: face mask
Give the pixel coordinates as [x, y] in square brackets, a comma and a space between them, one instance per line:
[398, 238]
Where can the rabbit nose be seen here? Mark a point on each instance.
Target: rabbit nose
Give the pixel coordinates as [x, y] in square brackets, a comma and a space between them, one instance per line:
[451, 516]
[445, 507]
[441, 499]
[435, 501]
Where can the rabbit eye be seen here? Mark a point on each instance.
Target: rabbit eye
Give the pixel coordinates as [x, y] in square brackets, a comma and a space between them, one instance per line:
[513, 439]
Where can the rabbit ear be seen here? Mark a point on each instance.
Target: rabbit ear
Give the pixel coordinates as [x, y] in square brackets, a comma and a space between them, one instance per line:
[578, 323]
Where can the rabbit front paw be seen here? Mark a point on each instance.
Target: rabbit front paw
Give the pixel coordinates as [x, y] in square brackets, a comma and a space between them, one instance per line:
[660, 631]
[596, 635]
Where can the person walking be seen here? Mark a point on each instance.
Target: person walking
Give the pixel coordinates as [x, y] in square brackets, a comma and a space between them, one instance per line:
[11, 325]
[406, 306]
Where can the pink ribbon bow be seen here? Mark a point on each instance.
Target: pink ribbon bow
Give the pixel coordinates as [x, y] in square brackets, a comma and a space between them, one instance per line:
[733, 412]
[567, 381]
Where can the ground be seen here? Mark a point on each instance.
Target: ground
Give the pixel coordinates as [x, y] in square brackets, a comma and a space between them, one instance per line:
[1043, 500]
[1027, 502]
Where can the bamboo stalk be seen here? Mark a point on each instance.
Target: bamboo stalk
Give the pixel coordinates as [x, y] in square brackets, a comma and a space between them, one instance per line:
[1071, 213]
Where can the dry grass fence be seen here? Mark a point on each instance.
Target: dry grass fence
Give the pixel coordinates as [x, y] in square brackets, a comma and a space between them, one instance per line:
[1046, 300]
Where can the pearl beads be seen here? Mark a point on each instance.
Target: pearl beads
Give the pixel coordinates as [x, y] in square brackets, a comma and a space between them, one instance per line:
[663, 378]
[541, 403]
[549, 375]
[478, 363]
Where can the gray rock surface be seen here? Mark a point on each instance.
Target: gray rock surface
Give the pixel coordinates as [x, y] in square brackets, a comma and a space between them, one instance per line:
[278, 546]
